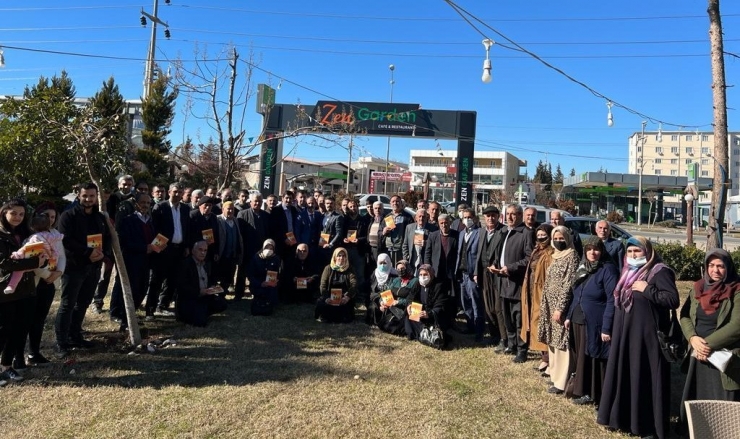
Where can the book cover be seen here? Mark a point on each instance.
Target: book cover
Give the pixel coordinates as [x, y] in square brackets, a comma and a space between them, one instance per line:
[390, 222]
[290, 237]
[301, 283]
[415, 313]
[160, 242]
[324, 239]
[386, 298]
[419, 237]
[335, 296]
[271, 278]
[216, 289]
[95, 241]
[52, 264]
[33, 249]
[352, 235]
[208, 236]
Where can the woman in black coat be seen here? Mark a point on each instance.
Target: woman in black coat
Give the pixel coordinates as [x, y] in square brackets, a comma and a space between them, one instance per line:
[387, 317]
[303, 274]
[635, 397]
[433, 298]
[17, 308]
[265, 292]
[590, 319]
[338, 276]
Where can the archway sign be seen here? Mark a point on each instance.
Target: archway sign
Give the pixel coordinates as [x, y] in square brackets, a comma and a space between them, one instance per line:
[370, 119]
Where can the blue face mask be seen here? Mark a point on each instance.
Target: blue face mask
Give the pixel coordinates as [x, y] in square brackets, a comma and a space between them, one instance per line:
[384, 268]
[635, 263]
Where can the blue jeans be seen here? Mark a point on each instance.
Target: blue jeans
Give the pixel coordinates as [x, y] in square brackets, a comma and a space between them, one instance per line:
[472, 303]
[78, 288]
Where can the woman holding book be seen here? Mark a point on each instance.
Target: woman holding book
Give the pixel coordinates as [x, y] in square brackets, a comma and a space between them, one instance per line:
[303, 274]
[427, 303]
[382, 310]
[635, 397]
[338, 289]
[263, 274]
[710, 321]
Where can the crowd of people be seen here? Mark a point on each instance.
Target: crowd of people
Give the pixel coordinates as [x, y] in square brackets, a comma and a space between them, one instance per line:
[588, 311]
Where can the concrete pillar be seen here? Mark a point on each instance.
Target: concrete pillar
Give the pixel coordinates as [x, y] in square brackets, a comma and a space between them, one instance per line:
[659, 206]
[594, 205]
[609, 203]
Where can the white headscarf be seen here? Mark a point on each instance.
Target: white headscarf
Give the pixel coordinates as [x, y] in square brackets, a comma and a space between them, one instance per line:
[380, 276]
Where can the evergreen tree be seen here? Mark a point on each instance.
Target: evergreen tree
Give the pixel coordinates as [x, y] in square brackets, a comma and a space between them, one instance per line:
[108, 110]
[572, 172]
[558, 175]
[157, 112]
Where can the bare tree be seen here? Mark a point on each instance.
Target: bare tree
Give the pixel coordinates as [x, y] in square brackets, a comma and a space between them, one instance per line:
[719, 98]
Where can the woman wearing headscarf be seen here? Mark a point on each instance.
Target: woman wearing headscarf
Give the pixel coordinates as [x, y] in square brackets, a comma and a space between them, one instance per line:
[303, 273]
[433, 298]
[264, 287]
[556, 295]
[590, 319]
[636, 393]
[710, 321]
[386, 316]
[338, 276]
[534, 280]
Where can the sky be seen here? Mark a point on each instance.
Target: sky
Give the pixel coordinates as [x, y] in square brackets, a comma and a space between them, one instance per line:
[649, 56]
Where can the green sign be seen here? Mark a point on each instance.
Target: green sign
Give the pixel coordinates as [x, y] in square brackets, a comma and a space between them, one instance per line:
[332, 175]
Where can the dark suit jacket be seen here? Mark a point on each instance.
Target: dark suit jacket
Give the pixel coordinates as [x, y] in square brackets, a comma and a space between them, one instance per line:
[334, 226]
[471, 256]
[498, 239]
[199, 223]
[516, 257]
[164, 224]
[279, 224]
[443, 265]
[615, 249]
[135, 236]
[255, 229]
[409, 249]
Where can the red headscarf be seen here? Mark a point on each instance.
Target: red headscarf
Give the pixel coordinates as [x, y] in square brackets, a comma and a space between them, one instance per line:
[711, 293]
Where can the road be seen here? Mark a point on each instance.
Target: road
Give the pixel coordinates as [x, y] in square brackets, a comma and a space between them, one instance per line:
[657, 234]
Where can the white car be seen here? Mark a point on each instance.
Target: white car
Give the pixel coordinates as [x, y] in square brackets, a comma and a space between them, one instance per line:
[363, 199]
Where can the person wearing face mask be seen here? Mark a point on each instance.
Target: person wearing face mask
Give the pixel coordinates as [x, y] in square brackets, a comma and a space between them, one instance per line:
[433, 299]
[303, 267]
[710, 321]
[556, 295]
[338, 275]
[457, 222]
[534, 281]
[637, 385]
[386, 316]
[265, 291]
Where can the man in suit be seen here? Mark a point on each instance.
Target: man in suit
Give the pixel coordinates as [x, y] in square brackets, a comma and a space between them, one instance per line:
[457, 223]
[467, 255]
[201, 221]
[333, 225]
[414, 244]
[513, 257]
[394, 237]
[356, 247]
[283, 218]
[433, 210]
[194, 301]
[441, 253]
[254, 226]
[614, 247]
[171, 219]
[489, 242]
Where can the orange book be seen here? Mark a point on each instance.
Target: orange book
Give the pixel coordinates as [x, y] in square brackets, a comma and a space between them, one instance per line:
[160, 242]
[352, 235]
[95, 241]
[390, 222]
[386, 298]
[271, 278]
[290, 237]
[415, 313]
[52, 264]
[33, 249]
[335, 297]
[324, 239]
[419, 237]
[208, 236]
[301, 283]
[216, 289]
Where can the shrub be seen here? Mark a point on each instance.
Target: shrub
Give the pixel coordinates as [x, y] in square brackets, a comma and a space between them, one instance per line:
[671, 224]
[685, 260]
[614, 217]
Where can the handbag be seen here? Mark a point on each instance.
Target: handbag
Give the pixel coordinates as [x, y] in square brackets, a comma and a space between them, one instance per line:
[432, 336]
[673, 344]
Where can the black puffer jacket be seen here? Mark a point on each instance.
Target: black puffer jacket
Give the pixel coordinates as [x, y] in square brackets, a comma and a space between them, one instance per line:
[26, 287]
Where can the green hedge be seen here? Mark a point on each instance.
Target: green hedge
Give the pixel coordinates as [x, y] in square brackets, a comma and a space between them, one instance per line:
[685, 260]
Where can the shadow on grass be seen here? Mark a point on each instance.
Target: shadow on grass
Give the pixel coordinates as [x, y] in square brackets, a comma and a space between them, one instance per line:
[235, 348]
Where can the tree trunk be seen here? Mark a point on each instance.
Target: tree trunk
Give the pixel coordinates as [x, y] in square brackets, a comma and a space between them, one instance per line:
[719, 98]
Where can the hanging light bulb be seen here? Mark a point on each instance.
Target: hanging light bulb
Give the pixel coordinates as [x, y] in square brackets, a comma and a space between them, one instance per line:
[660, 132]
[609, 117]
[486, 77]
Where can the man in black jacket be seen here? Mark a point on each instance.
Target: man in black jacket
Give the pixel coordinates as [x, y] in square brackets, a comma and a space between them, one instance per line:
[490, 240]
[195, 302]
[441, 253]
[86, 243]
[394, 237]
[513, 257]
[333, 225]
[254, 226]
[171, 219]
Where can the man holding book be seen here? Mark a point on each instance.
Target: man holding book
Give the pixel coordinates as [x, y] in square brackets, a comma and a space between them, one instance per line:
[204, 227]
[355, 242]
[230, 246]
[198, 295]
[333, 231]
[414, 245]
[394, 230]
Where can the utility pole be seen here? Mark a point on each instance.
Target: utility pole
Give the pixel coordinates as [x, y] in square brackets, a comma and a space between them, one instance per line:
[149, 69]
[349, 164]
[719, 99]
[388, 144]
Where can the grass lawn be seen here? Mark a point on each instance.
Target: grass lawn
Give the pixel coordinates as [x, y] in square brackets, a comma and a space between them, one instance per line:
[286, 376]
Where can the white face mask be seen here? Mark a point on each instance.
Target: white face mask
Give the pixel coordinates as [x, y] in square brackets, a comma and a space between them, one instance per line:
[267, 252]
[469, 223]
[424, 280]
[460, 214]
[636, 262]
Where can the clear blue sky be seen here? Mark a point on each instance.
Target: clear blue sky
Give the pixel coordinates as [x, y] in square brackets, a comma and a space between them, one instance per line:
[652, 56]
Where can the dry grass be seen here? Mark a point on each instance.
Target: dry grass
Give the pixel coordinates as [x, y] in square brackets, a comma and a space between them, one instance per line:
[286, 376]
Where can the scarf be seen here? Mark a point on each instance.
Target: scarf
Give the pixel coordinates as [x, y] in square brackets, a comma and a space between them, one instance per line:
[380, 276]
[711, 293]
[587, 268]
[340, 268]
[565, 232]
[623, 290]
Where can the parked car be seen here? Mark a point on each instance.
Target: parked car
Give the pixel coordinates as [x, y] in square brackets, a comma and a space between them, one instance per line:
[586, 226]
[543, 213]
[386, 210]
[363, 199]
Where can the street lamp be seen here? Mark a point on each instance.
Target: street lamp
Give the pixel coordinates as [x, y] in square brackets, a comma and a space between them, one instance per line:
[689, 197]
[486, 78]
[388, 144]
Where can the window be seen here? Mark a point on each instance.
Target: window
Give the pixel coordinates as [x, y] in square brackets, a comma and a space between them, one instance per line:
[688, 161]
[673, 161]
[689, 138]
[690, 150]
[674, 137]
[657, 172]
[704, 173]
[476, 163]
[639, 149]
[674, 149]
[657, 138]
[705, 138]
[704, 161]
[736, 152]
[705, 151]
[674, 172]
